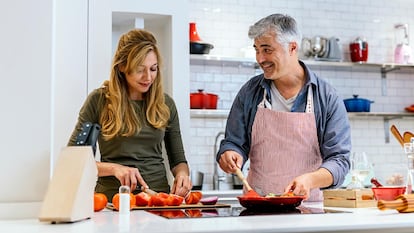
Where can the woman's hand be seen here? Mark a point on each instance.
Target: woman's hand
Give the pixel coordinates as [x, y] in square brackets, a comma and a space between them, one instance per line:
[128, 176]
[182, 182]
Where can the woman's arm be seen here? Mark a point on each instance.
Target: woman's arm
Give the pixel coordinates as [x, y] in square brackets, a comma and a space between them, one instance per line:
[182, 182]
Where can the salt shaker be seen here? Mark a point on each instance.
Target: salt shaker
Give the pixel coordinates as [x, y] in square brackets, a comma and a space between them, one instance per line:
[124, 200]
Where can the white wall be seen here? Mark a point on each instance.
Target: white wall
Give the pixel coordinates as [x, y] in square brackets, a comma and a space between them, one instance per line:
[44, 78]
[47, 74]
[225, 25]
[25, 98]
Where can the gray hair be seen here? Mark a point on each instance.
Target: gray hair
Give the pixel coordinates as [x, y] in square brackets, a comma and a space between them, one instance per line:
[284, 27]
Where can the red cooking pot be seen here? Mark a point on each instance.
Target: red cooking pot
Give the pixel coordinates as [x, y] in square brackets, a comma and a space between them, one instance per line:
[202, 100]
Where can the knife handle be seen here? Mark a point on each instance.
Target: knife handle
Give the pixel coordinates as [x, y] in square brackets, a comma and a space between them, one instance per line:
[148, 191]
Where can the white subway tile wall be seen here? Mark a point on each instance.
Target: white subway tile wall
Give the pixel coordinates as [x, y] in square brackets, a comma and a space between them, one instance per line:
[225, 24]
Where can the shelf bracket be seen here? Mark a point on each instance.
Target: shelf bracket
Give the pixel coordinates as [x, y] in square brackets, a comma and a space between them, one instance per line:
[386, 130]
[384, 71]
[387, 127]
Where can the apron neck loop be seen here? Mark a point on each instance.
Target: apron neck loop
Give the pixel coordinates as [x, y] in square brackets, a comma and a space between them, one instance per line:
[309, 101]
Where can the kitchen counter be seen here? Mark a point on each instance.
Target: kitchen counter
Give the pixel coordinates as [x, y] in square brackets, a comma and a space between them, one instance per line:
[360, 220]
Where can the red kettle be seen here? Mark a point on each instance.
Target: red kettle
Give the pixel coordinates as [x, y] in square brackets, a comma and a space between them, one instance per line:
[359, 50]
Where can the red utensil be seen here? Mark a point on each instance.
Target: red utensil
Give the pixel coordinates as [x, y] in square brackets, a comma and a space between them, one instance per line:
[375, 182]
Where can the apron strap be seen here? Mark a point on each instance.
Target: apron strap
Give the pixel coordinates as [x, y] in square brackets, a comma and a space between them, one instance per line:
[264, 103]
[309, 101]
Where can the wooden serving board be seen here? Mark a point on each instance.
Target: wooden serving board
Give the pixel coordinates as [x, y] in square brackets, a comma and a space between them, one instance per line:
[349, 198]
[183, 206]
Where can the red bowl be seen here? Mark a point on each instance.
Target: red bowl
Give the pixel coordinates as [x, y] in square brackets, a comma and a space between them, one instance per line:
[387, 193]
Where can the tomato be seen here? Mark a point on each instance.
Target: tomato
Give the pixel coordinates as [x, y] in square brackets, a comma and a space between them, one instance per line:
[163, 195]
[173, 214]
[174, 200]
[194, 213]
[99, 201]
[194, 197]
[142, 199]
[158, 200]
[115, 201]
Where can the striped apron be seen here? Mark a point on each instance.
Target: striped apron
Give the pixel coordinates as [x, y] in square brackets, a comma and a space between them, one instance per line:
[284, 146]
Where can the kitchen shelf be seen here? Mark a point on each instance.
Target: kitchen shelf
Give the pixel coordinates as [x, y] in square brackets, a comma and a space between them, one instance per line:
[383, 68]
[196, 59]
[209, 113]
[223, 113]
[386, 116]
[246, 61]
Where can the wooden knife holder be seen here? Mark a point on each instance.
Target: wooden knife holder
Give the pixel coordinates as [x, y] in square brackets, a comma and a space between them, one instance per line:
[69, 197]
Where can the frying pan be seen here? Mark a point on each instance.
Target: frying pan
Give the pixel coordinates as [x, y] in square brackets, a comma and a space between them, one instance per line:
[270, 203]
[252, 200]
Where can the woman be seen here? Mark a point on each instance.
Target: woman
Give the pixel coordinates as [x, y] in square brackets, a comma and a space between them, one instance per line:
[136, 117]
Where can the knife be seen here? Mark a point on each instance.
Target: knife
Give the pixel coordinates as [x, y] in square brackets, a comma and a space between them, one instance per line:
[147, 190]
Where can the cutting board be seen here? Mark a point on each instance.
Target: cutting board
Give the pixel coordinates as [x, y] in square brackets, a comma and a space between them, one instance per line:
[183, 206]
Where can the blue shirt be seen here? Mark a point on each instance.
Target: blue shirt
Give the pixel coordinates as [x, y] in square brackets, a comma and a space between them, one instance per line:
[333, 129]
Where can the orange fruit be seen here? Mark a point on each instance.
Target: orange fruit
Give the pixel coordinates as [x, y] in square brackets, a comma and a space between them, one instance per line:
[99, 201]
[115, 201]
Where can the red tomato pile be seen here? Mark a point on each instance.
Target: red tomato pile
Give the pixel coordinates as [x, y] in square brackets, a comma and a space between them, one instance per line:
[143, 199]
[165, 199]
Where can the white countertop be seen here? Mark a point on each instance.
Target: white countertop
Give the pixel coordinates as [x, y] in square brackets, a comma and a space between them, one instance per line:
[362, 219]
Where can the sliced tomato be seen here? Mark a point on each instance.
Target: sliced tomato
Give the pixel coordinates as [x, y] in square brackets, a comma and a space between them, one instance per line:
[174, 200]
[160, 199]
[194, 197]
[163, 195]
[194, 213]
[174, 214]
[142, 199]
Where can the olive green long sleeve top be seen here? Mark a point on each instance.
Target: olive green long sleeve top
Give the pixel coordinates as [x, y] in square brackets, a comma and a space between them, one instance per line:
[142, 151]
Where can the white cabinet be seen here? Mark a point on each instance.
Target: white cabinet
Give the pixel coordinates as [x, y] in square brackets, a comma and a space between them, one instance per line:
[44, 80]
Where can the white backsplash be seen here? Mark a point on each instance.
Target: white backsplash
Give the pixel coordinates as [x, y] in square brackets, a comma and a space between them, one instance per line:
[227, 30]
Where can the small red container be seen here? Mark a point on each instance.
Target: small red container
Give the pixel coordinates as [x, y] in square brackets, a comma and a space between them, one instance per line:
[359, 50]
[387, 193]
[202, 100]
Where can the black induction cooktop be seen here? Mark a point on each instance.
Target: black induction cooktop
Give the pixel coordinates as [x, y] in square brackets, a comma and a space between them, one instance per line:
[238, 212]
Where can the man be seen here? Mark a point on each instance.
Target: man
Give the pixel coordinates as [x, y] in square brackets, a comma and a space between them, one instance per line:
[291, 124]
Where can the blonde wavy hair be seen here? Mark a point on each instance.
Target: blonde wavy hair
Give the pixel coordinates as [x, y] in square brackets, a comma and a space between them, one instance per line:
[118, 117]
